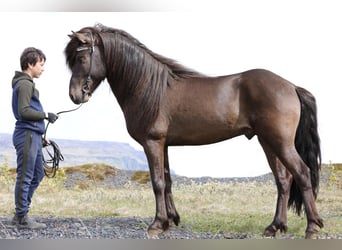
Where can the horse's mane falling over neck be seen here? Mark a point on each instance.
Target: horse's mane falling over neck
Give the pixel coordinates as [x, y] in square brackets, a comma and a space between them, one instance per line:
[138, 76]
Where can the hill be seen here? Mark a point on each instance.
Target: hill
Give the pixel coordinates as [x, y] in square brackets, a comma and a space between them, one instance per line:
[124, 157]
[106, 175]
[77, 152]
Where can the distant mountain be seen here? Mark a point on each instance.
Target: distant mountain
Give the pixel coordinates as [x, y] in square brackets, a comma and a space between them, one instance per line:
[76, 152]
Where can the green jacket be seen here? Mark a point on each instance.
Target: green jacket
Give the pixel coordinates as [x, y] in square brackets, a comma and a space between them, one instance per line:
[26, 106]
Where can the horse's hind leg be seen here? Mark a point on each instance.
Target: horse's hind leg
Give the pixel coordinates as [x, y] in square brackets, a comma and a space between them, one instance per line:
[283, 181]
[302, 178]
[290, 158]
[172, 214]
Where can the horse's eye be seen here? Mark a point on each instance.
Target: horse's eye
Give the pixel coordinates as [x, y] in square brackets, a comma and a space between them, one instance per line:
[82, 59]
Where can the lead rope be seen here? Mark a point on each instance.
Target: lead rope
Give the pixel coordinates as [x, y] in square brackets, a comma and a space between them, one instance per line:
[53, 151]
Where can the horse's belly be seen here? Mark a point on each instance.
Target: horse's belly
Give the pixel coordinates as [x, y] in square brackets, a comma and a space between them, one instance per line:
[205, 111]
[199, 133]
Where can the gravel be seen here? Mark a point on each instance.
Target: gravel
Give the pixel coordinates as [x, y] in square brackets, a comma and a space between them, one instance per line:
[101, 228]
[114, 228]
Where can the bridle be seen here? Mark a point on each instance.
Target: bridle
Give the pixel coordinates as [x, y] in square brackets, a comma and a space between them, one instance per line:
[91, 48]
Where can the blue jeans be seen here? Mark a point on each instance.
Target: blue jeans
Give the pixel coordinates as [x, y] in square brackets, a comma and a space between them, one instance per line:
[30, 168]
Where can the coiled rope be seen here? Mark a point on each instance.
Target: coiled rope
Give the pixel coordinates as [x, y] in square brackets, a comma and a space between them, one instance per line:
[53, 154]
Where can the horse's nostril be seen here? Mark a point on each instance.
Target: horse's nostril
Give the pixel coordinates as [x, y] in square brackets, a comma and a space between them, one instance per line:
[86, 89]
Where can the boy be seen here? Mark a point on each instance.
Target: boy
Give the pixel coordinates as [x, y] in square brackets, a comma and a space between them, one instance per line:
[27, 136]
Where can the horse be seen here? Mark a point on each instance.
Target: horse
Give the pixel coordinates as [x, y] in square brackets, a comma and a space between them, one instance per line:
[167, 104]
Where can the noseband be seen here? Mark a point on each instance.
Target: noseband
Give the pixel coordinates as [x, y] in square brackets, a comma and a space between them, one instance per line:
[86, 87]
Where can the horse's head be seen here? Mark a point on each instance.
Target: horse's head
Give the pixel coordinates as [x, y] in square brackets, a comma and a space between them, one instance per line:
[84, 58]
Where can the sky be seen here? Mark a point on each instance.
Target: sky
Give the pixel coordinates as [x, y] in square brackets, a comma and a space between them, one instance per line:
[300, 42]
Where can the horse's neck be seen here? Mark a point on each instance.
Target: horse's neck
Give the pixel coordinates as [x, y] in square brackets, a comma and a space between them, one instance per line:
[118, 91]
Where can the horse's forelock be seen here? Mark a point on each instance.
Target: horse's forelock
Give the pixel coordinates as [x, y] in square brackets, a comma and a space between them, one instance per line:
[71, 48]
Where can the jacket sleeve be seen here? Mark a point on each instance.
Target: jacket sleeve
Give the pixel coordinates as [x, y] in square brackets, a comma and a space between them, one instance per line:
[25, 92]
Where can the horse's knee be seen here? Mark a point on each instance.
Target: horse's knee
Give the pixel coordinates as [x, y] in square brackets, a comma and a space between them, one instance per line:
[158, 186]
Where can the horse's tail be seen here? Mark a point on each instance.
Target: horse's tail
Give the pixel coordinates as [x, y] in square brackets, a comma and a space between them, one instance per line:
[307, 143]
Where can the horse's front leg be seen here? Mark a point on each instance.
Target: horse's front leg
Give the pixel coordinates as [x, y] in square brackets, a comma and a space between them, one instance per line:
[170, 206]
[154, 150]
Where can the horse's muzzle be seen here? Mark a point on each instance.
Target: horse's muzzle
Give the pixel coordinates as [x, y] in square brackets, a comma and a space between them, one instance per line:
[79, 97]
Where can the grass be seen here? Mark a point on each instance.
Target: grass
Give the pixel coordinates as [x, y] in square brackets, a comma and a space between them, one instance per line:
[212, 207]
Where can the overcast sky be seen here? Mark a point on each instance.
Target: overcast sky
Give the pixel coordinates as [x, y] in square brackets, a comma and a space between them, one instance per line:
[301, 43]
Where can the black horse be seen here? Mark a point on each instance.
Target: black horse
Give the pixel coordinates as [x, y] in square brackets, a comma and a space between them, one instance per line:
[166, 104]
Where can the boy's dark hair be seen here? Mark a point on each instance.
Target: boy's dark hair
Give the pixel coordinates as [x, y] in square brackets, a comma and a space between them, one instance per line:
[31, 56]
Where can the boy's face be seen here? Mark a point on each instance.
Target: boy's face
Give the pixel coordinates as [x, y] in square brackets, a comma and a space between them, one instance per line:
[36, 70]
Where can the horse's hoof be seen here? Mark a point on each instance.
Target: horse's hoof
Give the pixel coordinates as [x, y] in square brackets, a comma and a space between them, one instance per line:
[270, 231]
[153, 233]
[311, 235]
[268, 234]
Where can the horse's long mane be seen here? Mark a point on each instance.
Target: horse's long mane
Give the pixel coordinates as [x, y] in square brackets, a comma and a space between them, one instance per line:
[140, 73]
[129, 46]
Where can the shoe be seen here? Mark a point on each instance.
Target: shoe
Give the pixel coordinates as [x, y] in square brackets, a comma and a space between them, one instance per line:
[14, 220]
[27, 223]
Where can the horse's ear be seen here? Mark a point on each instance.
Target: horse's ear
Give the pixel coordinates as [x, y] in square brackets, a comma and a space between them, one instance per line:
[82, 37]
[71, 36]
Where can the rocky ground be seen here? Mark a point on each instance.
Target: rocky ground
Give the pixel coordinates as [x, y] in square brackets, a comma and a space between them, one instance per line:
[122, 228]
[114, 228]
[100, 228]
